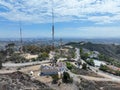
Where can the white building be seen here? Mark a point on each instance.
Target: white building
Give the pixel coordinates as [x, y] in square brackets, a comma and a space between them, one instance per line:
[98, 63]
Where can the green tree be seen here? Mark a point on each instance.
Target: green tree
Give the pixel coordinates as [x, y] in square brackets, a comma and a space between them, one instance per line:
[81, 51]
[66, 78]
[84, 66]
[10, 48]
[0, 64]
[69, 65]
[103, 67]
[16, 58]
[90, 62]
[84, 56]
[2, 57]
[43, 56]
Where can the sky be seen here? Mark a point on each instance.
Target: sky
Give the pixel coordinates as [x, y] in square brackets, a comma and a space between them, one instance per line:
[73, 18]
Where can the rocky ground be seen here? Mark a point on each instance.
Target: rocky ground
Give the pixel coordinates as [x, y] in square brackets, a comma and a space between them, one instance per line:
[20, 81]
[98, 85]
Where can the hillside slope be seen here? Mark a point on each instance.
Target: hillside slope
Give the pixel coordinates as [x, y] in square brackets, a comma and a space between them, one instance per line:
[20, 81]
[109, 50]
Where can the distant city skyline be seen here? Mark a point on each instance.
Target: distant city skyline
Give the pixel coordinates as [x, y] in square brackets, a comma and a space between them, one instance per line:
[73, 18]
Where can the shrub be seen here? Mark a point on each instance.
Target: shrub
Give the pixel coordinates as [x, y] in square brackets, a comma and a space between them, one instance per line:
[117, 73]
[90, 62]
[84, 56]
[43, 56]
[17, 58]
[55, 79]
[0, 64]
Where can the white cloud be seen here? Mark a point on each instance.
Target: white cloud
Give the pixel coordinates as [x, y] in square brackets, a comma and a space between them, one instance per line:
[39, 11]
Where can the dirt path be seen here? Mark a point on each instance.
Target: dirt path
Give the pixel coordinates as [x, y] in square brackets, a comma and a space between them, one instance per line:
[77, 78]
[95, 78]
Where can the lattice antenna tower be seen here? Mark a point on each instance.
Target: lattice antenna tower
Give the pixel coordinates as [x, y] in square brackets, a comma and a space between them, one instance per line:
[53, 38]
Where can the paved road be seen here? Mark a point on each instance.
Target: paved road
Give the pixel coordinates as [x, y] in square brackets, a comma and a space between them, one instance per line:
[7, 71]
[108, 77]
[104, 74]
[10, 65]
[77, 54]
[24, 64]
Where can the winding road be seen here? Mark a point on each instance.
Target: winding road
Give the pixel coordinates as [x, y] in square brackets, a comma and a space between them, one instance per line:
[107, 76]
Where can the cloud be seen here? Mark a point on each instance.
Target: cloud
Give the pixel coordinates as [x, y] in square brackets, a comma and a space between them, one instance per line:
[39, 11]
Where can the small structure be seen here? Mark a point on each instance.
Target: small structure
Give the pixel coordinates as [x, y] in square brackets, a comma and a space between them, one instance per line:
[48, 70]
[68, 46]
[52, 70]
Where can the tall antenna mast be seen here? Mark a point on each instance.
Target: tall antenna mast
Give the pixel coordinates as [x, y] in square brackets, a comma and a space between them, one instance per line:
[21, 41]
[53, 59]
[53, 24]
